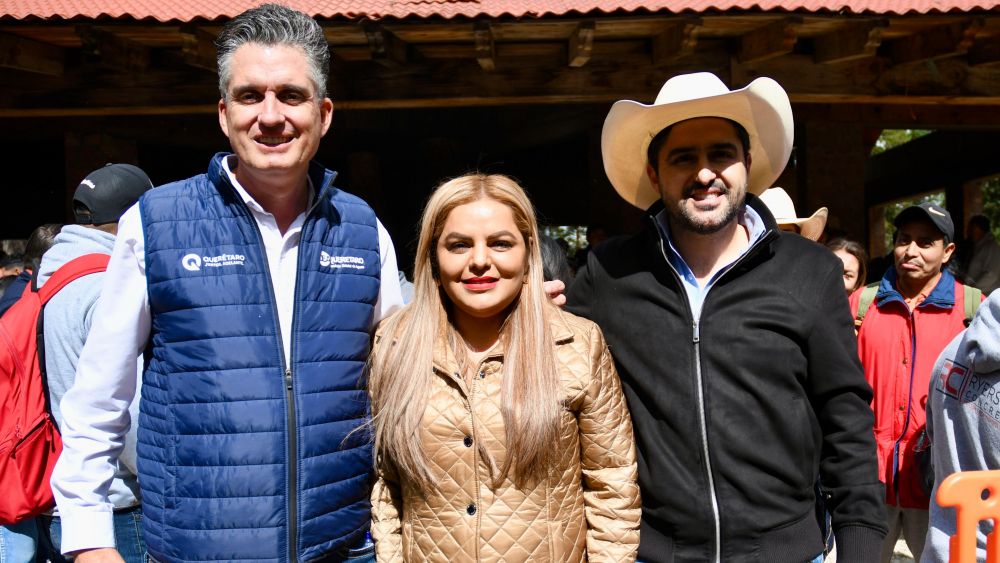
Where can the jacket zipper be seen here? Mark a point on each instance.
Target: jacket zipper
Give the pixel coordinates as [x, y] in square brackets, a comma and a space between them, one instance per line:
[696, 343]
[292, 450]
[909, 407]
[475, 445]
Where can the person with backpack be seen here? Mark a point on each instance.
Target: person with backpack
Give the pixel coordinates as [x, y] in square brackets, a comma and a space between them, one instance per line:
[903, 325]
[98, 202]
[39, 241]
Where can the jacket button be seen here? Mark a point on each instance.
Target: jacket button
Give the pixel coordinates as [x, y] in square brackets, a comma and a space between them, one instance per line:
[471, 509]
[467, 441]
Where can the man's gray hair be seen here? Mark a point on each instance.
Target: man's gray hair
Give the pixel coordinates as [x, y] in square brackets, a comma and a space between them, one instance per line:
[274, 24]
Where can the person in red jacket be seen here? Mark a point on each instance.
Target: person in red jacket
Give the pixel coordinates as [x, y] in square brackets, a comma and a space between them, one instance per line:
[918, 309]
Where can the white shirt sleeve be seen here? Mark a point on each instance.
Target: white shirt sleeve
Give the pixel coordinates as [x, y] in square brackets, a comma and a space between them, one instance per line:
[390, 297]
[96, 408]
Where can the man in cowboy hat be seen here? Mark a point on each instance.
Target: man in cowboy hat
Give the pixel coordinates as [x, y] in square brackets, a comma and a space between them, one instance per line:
[779, 203]
[732, 338]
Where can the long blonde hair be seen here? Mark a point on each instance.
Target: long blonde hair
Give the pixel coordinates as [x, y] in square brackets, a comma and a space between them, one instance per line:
[402, 368]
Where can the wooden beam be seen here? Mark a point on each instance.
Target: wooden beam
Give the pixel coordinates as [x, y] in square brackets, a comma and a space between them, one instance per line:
[386, 49]
[771, 40]
[855, 40]
[198, 48]
[676, 41]
[985, 51]
[112, 50]
[25, 54]
[486, 51]
[936, 42]
[581, 43]
[891, 112]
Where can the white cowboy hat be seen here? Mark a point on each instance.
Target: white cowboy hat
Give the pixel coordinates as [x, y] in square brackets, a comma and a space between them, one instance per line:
[762, 108]
[781, 206]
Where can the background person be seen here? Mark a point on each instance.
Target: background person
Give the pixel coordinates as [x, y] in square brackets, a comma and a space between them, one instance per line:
[963, 420]
[983, 270]
[855, 260]
[917, 310]
[98, 203]
[780, 204]
[500, 426]
[41, 239]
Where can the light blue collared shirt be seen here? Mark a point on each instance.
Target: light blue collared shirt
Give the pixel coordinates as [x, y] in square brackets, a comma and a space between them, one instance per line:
[695, 293]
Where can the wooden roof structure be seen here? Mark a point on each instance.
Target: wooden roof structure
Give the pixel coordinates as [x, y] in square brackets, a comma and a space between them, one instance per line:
[425, 89]
[924, 65]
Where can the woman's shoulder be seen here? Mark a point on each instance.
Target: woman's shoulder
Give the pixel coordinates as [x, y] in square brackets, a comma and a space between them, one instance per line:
[565, 324]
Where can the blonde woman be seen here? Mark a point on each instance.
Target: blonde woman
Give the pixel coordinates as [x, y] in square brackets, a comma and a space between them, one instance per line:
[500, 426]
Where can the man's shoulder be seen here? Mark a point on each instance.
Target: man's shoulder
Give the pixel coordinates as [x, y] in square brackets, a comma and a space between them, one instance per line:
[800, 261]
[621, 249]
[179, 188]
[802, 248]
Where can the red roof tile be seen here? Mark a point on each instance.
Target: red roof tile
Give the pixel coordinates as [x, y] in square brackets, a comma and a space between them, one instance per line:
[187, 10]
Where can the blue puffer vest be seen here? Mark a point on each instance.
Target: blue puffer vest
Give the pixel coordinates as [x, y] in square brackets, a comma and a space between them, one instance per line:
[240, 459]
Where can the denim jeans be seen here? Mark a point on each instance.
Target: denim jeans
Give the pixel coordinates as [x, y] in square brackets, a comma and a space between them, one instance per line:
[128, 537]
[18, 542]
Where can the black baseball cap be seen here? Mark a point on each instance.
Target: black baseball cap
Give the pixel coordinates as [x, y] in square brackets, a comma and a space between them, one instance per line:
[106, 193]
[934, 213]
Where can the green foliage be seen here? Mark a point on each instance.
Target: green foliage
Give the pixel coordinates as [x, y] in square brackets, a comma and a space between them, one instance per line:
[991, 204]
[891, 138]
[574, 235]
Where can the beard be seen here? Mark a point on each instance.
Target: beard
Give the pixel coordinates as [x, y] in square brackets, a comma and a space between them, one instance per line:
[708, 223]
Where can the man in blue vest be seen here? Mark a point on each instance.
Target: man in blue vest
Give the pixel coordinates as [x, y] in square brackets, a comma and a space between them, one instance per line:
[251, 290]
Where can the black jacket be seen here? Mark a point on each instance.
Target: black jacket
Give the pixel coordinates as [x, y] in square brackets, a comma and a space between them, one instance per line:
[735, 415]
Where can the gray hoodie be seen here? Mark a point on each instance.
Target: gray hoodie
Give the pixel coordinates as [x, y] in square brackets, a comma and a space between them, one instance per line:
[68, 317]
[963, 418]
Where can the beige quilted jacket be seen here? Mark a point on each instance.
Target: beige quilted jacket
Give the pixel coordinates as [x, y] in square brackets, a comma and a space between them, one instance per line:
[588, 508]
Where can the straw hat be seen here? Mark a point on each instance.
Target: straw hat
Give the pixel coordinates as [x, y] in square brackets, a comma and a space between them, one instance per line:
[762, 108]
[781, 206]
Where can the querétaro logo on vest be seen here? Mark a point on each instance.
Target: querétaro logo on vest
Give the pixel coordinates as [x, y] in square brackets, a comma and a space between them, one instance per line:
[326, 260]
[194, 262]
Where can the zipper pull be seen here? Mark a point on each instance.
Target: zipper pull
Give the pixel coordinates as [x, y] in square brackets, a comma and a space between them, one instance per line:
[288, 378]
[696, 337]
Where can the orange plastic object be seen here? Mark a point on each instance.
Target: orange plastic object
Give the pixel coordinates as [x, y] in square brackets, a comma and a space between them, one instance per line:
[975, 496]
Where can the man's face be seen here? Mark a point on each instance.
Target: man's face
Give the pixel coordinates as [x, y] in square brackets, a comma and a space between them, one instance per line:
[272, 116]
[919, 251]
[701, 173]
[974, 233]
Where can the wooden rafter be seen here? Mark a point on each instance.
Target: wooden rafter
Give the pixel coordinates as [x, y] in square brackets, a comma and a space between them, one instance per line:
[198, 48]
[937, 42]
[854, 40]
[985, 51]
[581, 43]
[771, 40]
[29, 55]
[386, 49]
[113, 50]
[486, 51]
[677, 40]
